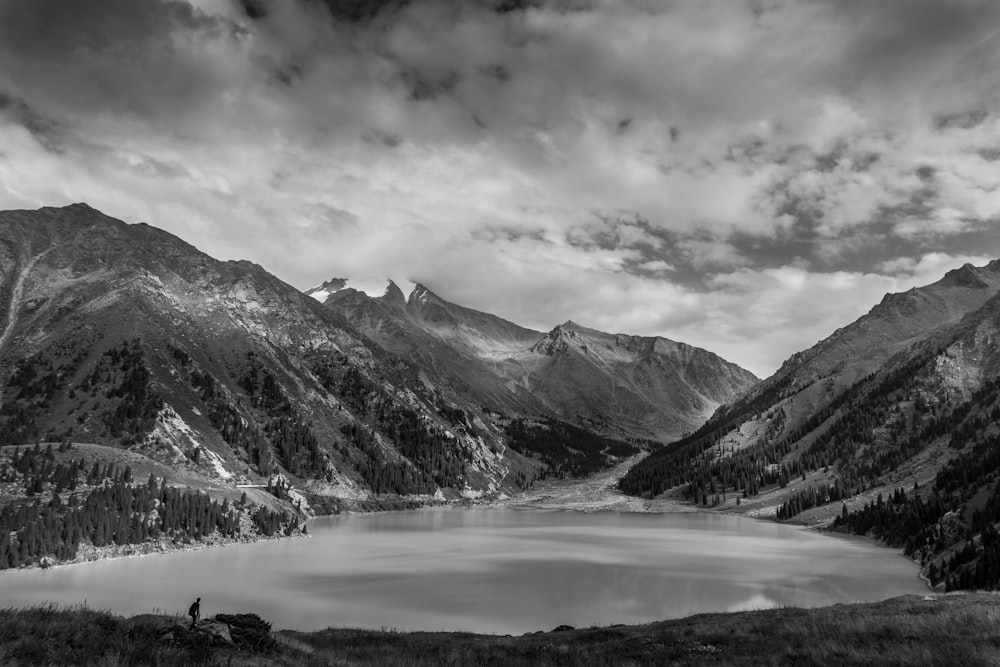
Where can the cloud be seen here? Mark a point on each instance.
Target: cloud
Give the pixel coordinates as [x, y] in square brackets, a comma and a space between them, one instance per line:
[154, 60]
[930, 267]
[695, 169]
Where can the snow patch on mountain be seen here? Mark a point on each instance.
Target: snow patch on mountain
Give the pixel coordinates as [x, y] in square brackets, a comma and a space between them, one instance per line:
[378, 286]
[323, 291]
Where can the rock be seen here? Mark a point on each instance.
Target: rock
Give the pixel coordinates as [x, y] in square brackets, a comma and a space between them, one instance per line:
[174, 632]
[217, 631]
[563, 628]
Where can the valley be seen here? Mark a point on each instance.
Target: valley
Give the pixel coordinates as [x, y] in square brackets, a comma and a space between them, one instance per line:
[502, 332]
[887, 428]
[217, 380]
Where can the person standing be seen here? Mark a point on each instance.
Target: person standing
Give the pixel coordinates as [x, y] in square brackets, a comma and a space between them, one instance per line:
[195, 612]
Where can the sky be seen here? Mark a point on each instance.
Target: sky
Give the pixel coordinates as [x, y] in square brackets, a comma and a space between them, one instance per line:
[744, 176]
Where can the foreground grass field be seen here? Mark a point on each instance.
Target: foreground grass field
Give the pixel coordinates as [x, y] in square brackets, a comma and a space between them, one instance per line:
[954, 629]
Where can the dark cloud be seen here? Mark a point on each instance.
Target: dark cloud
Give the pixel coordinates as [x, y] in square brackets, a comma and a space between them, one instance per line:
[962, 119]
[898, 43]
[106, 55]
[44, 129]
[362, 11]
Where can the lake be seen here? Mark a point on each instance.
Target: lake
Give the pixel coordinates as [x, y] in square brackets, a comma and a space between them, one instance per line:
[496, 570]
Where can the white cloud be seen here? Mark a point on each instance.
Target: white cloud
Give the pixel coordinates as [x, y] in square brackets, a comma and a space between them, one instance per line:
[656, 265]
[910, 272]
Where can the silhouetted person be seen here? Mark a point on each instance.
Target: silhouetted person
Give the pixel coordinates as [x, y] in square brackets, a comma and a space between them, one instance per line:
[194, 612]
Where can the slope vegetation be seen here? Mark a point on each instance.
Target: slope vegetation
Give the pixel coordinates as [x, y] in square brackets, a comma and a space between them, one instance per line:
[940, 630]
[125, 336]
[892, 421]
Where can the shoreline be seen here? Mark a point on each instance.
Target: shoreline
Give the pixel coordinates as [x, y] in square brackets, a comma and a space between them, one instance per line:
[594, 494]
[160, 548]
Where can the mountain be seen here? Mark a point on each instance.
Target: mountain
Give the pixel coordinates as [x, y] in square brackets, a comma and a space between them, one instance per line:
[645, 384]
[125, 336]
[644, 387]
[441, 342]
[889, 427]
[150, 392]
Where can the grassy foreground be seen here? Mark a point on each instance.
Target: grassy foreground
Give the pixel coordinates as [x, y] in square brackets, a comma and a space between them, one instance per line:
[953, 629]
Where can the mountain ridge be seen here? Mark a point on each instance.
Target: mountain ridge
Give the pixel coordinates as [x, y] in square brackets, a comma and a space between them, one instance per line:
[647, 387]
[126, 337]
[888, 427]
[229, 320]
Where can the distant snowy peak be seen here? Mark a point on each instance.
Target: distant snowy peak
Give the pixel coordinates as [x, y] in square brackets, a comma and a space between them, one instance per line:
[322, 292]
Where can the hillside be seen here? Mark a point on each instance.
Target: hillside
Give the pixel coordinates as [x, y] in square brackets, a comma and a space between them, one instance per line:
[624, 386]
[898, 410]
[220, 377]
[931, 630]
[126, 337]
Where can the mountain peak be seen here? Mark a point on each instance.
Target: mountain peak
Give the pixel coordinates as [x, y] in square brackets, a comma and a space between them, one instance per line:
[965, 276]
[569, 326]
[78, 206]
[421, 295]
[322, 292]
[393, 294]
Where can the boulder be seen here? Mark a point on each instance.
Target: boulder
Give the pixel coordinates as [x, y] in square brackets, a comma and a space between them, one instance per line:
[217, 631]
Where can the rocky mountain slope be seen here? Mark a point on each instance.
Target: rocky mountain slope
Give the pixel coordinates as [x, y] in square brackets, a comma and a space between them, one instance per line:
[893, 420]
[645, 387]
[124, 335]
[151, 367]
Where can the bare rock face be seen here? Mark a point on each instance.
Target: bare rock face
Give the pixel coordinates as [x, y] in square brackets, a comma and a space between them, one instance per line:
[205, 631]
[216, 631]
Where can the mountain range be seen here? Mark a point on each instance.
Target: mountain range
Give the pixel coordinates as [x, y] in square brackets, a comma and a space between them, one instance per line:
[129, 347]
[629, 385]
[126, 337]
[889, 427]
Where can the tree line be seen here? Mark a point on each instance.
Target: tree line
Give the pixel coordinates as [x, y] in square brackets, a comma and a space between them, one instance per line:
[115, 510]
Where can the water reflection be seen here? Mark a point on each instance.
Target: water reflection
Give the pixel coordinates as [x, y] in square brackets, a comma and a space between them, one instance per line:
[491, 570]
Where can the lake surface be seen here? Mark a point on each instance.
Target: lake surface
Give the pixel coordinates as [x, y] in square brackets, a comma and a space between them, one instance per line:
[497, 570]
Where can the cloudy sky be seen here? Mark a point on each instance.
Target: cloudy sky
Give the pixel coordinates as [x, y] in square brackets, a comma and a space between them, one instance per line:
[745, 176]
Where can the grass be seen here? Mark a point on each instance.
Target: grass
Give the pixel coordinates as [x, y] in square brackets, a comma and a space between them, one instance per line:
[954, 629]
